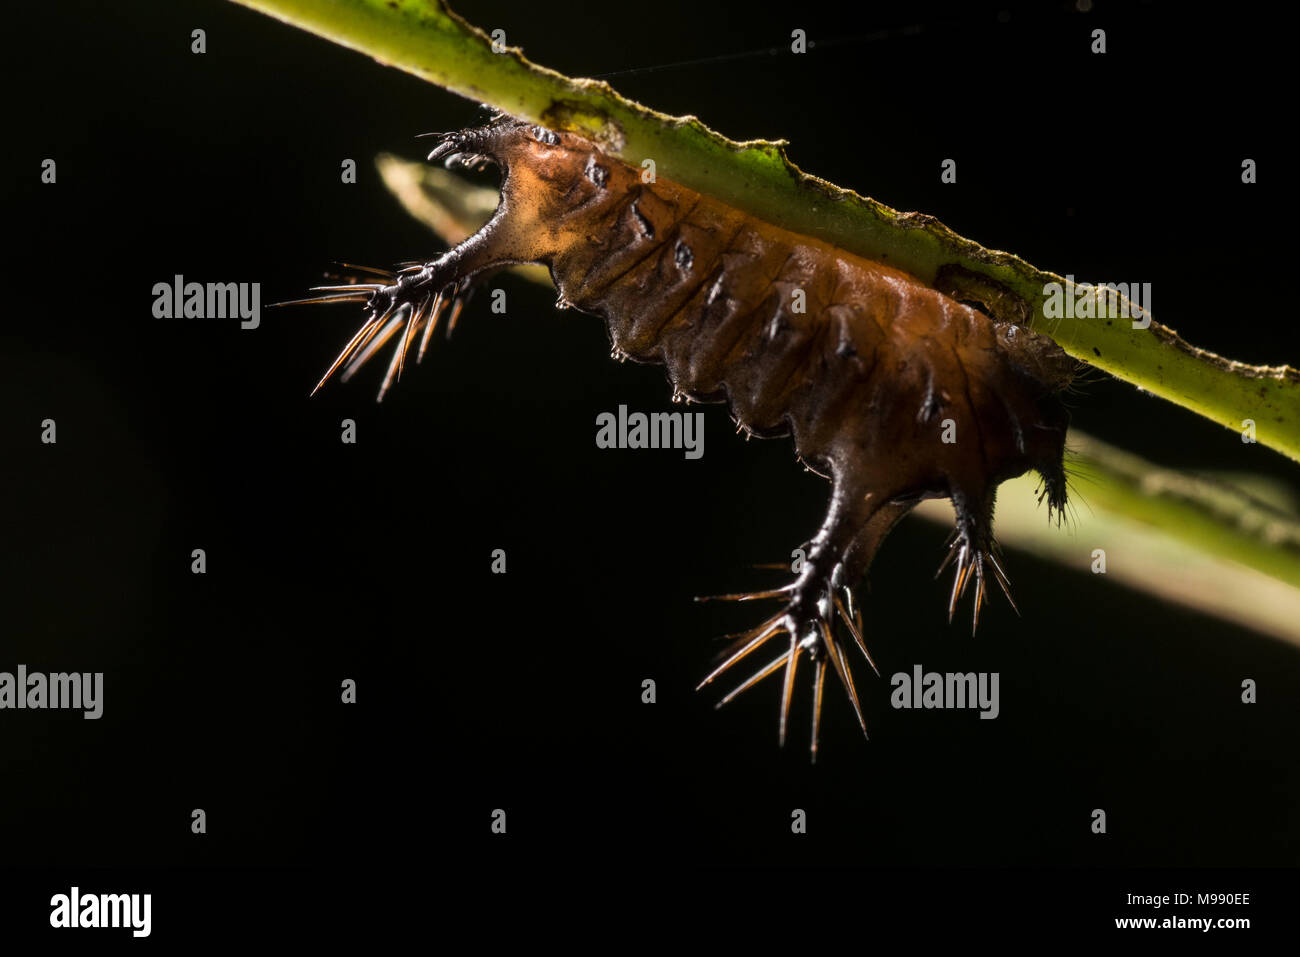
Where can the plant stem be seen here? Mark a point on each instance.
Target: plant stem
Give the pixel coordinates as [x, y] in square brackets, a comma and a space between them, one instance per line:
[425, 38]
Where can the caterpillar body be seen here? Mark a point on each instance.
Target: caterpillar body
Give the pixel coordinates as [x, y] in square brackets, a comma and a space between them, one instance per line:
[890, 388]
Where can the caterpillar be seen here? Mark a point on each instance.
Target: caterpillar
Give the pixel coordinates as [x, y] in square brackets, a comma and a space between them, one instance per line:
[891, 389]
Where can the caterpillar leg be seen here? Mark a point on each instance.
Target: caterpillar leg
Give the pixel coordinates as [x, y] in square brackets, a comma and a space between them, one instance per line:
[411, 301]
[972, 547]
[407, 305]
[820, 616]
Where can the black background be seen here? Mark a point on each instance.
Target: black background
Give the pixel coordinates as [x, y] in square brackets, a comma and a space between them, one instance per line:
[522, 691]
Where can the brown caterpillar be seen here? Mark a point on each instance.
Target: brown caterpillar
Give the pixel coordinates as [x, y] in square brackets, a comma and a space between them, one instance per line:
[867, 377]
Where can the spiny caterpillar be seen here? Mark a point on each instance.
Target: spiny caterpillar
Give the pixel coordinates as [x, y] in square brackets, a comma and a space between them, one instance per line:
[891, 389]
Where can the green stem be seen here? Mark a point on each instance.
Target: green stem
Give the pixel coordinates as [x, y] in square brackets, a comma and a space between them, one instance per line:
[425, 38]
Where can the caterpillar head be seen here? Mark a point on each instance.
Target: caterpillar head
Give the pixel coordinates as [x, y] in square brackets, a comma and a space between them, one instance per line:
[552, 162]
[473, 147]
[547, 155]
[551, 181]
